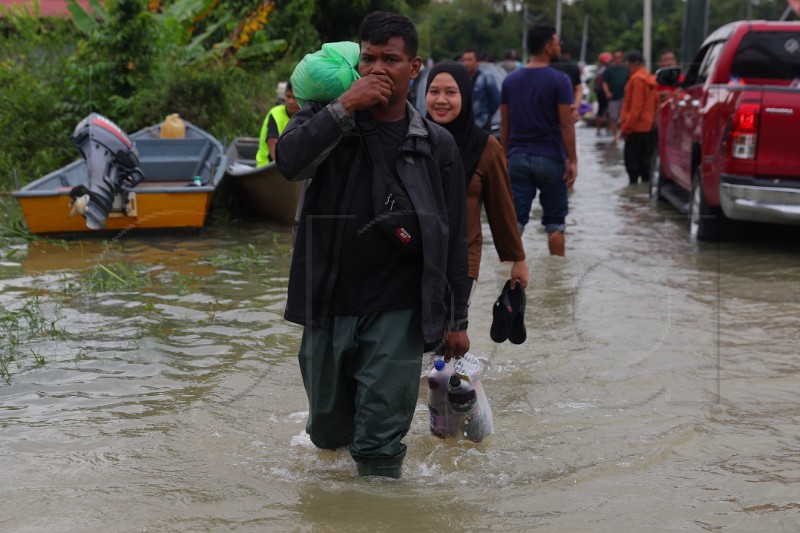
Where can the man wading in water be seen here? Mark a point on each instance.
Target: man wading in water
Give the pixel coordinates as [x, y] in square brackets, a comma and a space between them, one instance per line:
[368, 309]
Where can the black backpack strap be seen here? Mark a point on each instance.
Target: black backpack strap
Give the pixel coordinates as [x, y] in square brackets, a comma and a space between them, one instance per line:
[433, 135]
[369, 132]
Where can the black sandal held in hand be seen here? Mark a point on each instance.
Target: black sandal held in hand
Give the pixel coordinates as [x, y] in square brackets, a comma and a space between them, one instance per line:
[508, 315]
[517, 334]
[502, 315]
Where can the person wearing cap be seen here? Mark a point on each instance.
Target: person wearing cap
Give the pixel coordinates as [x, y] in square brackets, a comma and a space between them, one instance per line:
[615, 76]
[637, 118]
[601, 118]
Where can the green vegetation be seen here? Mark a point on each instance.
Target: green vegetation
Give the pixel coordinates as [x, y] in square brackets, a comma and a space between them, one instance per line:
[212, 62]
[117, 277]
[12, 224]
[19, 328]
[242, 258]
[448, 28]
[121, 277]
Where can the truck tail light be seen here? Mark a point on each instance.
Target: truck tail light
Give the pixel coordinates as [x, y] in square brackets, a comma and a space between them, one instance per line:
[745, 131]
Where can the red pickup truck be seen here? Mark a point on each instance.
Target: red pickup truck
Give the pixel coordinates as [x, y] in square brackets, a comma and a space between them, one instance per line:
[729, 133]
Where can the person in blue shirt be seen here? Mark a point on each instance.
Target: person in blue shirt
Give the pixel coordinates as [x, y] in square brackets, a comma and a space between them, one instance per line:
[538, 133]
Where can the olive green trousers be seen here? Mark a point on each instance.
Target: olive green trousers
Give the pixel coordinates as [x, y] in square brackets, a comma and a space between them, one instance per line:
[361, 375]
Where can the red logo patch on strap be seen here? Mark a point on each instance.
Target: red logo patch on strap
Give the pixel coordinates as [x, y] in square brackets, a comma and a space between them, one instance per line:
[403, 235]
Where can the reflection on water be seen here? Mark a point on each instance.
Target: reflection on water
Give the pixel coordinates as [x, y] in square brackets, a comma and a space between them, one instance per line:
[657, 389]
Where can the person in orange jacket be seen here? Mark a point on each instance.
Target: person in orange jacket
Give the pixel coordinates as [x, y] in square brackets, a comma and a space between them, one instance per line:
[637, 119]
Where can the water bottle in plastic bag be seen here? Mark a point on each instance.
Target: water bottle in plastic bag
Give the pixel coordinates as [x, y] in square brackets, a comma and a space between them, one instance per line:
[464, 410]
[469, 413]
[438, 377]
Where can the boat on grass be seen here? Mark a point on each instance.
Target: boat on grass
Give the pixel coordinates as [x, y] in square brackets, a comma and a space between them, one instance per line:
[263, 188]
[175, 181]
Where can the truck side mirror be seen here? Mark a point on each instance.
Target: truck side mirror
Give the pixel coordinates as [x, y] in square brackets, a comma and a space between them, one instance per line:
[668, 76]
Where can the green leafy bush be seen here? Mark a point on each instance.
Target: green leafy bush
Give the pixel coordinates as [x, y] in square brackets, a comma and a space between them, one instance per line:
[34, 124]
[223, 100]
[115, 61]
[134, 67]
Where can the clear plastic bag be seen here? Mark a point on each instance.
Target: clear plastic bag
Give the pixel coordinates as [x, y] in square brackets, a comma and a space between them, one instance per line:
[477, 423]
[324, 75]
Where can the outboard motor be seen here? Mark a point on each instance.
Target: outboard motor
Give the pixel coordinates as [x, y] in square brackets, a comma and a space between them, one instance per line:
[112, 167]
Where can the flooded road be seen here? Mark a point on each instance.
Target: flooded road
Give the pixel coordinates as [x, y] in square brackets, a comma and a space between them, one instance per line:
[155, 387]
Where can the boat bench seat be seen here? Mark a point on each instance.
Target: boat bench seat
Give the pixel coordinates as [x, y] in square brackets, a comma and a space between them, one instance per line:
[173, 159]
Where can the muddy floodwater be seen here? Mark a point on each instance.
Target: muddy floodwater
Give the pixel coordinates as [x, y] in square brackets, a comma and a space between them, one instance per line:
[153, 386]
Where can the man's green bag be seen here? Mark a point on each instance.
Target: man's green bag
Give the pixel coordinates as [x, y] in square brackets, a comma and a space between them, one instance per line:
[327, 73]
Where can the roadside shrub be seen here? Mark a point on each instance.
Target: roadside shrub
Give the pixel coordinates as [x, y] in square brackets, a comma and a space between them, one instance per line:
[115, 62]
[131, 69]
[34, 124]
[35, 136]
[223, 99]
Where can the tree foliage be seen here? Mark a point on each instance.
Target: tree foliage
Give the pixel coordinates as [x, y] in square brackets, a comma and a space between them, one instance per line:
[338, 20]
[450, 28]
[115, 60]
[447, 28]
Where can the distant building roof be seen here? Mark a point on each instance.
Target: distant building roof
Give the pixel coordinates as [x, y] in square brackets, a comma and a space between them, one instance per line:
[48, 8]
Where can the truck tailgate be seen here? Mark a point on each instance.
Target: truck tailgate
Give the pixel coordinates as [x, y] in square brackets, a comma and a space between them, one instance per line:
[778, 153]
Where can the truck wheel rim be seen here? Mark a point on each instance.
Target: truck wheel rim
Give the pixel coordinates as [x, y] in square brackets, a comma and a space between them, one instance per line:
[655, 179]
[694, 212]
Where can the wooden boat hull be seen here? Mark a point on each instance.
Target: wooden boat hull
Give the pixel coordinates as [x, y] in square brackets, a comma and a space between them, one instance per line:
[263, 188]
[167, 199]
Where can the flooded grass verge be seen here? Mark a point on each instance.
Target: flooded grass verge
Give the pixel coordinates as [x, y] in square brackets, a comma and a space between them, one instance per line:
[69, 300]
[12, 223]
[21, 327]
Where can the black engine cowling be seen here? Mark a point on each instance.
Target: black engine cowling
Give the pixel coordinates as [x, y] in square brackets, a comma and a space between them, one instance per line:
[112, 166]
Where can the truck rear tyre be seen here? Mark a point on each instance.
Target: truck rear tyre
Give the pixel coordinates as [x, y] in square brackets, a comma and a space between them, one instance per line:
[709, 223]
[704, 223]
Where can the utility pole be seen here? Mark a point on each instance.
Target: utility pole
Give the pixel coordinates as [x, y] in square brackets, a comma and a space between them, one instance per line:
[524, 33]
[584, 39]
[558, 18]
[648, 31]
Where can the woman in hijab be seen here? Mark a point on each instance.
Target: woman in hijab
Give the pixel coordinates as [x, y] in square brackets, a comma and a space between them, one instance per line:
[449, 102]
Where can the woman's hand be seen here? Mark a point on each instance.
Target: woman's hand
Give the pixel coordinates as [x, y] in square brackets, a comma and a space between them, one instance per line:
[519, 274]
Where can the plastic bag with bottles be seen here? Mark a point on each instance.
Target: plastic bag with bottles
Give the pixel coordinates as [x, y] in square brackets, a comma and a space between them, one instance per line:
[457, 402]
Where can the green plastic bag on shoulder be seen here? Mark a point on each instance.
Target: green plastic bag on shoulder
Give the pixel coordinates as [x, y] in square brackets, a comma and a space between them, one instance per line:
[327, 73]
